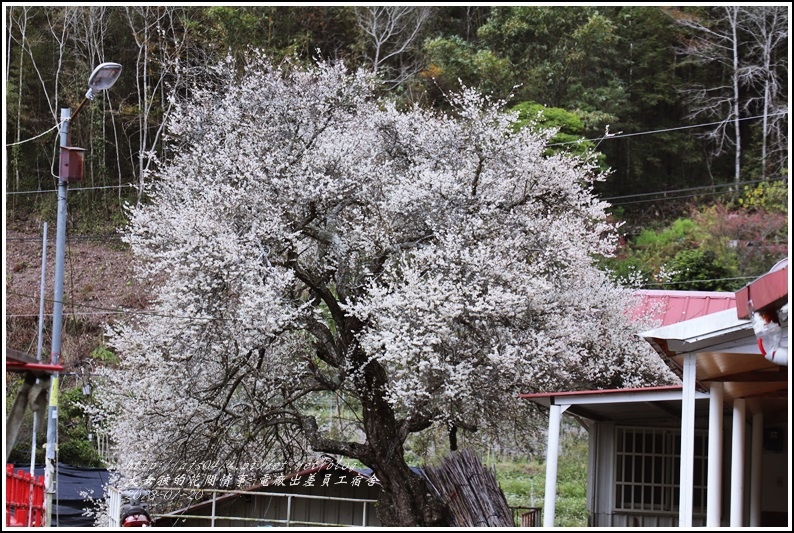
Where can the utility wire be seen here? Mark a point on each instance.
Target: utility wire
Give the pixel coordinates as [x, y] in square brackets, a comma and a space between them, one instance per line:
[668, 199]
[608, 136]
[102, 238]
[699, 281]
[672, 191]
[731, 184]
[117, 238]
[109, 311]
[73, 313]
[666, 130]
[73, 304]
[72, 189]
[58, 125]
[680, 197]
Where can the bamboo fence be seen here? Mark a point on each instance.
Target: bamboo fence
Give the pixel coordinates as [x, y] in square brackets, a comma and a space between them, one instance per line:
[471, 491]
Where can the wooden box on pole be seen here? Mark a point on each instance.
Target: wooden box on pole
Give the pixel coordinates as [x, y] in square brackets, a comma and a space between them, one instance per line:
[72, 159]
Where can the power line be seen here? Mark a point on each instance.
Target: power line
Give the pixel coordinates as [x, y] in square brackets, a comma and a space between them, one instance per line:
[672, 191]
[109, 311]
[608, 136]
[124, 311]
[58, 125]
[699, 281]
[690, 189]
[669, 199]
[679, 197]
[72, 313]
[108, 237]
[705, 188]
[666, 130]
[73, 189]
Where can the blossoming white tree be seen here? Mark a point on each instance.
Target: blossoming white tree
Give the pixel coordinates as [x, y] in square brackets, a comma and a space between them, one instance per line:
[311, 237]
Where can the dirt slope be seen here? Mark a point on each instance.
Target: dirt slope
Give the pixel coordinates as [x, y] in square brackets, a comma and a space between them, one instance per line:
[98, 284]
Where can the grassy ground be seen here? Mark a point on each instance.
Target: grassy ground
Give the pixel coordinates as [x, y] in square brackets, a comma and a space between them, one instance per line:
[524, 483]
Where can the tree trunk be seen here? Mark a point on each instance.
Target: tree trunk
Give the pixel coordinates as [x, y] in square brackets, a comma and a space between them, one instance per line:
[733, 17]
[407, 500]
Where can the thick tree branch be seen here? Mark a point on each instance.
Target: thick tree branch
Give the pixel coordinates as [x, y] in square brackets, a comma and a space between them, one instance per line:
[354, 450]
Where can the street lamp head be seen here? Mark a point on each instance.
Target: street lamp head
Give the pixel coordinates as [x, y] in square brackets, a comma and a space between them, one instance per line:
[103, 77]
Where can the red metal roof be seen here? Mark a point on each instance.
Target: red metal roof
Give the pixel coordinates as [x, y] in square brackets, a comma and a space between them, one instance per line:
[672, 307]
[599, 391]
[768, 291]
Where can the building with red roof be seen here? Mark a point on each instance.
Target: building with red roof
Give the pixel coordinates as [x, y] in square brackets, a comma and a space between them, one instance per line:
[713, 451]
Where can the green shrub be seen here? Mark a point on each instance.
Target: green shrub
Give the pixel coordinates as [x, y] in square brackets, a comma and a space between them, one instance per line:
[702, 270]
[74, 446]
[717, 249]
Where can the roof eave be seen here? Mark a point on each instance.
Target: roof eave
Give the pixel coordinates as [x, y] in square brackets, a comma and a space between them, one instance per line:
[701, 334]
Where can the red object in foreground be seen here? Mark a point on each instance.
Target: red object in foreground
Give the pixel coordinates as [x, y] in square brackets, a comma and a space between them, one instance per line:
[24, 498]
[769, 292]
[136, 520]
[135, 513]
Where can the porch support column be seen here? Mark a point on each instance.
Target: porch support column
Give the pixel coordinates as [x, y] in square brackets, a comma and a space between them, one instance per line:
[714, 487]
[552, 453]
[755, 469]
[737, 463]
[687, 441]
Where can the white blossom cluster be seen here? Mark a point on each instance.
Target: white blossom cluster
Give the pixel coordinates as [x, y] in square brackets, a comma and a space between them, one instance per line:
[311, 235]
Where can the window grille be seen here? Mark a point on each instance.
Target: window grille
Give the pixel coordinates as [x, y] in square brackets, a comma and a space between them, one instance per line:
[648, 470]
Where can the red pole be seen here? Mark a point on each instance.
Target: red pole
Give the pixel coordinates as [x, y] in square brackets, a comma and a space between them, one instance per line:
[9, 492]
[21, 497]
[38, 501]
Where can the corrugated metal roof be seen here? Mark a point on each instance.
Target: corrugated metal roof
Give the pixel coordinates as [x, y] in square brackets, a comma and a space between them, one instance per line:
[541, 395]
[671, 307]
[726, 352]
[319, 466]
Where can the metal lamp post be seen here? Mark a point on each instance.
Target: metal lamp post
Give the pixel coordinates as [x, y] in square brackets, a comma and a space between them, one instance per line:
[70, 169]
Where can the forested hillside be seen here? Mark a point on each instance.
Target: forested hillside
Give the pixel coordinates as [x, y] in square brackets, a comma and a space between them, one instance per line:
[684, 109]
[682, 102]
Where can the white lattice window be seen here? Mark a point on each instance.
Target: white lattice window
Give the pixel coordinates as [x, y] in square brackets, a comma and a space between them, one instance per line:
[648, 469]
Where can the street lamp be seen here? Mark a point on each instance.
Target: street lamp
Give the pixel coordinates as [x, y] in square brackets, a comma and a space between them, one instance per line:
[103, 77]
[70, 169]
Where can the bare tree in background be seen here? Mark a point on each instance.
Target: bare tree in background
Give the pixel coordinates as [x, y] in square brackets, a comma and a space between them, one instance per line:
[21, 22]
[749, 43]
[58, 26]
[716, 40]
[767, 29]
[159, 49]
[89, 35]
[392, 33]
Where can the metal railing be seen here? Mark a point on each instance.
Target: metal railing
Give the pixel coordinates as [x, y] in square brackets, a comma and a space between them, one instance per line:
[114, 508]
